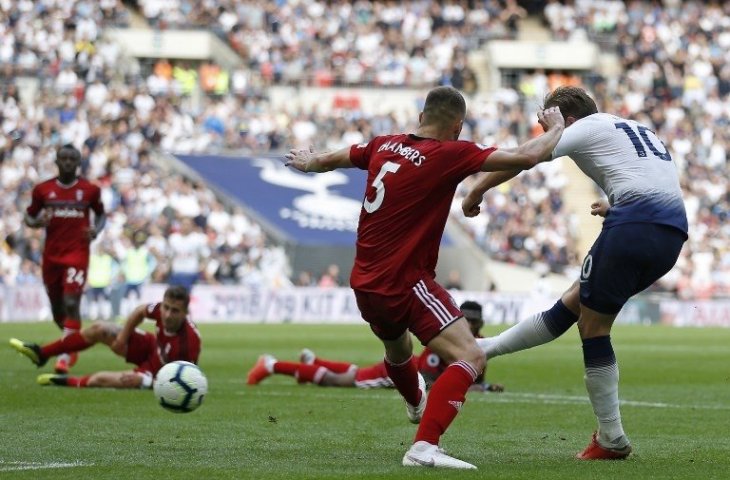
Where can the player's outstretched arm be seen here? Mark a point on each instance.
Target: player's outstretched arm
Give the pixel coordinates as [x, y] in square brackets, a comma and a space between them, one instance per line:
[472, 200]
[311, 161]
[532, 152]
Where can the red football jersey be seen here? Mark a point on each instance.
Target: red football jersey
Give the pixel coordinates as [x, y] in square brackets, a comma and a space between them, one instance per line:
[183, 345]
[67, 239]
[411, 184]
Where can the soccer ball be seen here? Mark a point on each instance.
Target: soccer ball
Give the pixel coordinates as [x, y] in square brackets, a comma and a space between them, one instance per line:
[180, 386]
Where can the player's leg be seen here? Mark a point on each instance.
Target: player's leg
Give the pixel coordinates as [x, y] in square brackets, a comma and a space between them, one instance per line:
[538, 329]
[332, 379]
[267, 365]
[439, 324]
[601, 379]
[403, 371]
[97, 332]
[376, 376]
[389, 319]
[128, 379]
[624, 260]
[74, 280]
[53, 282]
[307, 356]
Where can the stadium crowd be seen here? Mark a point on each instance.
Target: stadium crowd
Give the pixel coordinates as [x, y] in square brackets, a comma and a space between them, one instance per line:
[121, 113]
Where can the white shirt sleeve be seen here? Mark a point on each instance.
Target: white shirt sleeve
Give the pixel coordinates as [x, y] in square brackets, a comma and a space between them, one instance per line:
[574, 138]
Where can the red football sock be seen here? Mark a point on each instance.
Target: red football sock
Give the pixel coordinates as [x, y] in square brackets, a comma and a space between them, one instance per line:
[302, 372]
[310, 373]
[286, 368]
[71, 325]
[332, 366]
[71, 343]
[79, 382]
[447, 396]
[405, 379]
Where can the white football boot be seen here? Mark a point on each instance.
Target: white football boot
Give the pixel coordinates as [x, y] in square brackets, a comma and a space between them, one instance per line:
[423, 454]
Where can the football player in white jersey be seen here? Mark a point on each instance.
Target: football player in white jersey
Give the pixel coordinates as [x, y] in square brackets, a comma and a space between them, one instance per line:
[643, 232]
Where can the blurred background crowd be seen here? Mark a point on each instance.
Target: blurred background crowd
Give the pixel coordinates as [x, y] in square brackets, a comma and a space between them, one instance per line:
[121, 112]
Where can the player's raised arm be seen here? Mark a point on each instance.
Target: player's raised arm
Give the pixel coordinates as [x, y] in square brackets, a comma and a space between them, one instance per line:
[532, 152]
[504, 164]
[310, 161]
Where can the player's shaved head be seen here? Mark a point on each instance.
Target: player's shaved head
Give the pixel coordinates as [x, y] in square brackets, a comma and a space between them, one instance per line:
[68, 151]
[573, 102]
[444, 106]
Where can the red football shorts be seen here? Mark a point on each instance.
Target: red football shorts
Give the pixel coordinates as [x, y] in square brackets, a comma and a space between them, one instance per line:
[425, 310]
[64, 279]
[142, 351]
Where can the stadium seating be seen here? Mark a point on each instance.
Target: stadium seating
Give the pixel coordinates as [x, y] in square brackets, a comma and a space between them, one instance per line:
[63, 81]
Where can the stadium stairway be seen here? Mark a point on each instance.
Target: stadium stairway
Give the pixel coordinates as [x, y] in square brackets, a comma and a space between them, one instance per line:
[579, 193]
[479, 272]
[533, 30]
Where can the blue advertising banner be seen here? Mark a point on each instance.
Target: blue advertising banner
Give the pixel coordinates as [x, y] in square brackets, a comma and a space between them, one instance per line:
[310, 209]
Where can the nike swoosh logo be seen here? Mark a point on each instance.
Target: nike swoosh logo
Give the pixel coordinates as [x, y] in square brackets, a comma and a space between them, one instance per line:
[430, 463]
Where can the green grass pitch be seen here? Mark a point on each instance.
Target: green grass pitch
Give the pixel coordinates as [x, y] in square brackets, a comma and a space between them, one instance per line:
[675, 385]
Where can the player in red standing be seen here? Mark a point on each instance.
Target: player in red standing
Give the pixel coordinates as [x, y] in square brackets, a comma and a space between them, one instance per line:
[411, 183]
[175, 338]
[62, 205]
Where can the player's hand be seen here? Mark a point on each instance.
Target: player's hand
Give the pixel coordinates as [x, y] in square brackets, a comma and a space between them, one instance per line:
[301, 159]
[600, 207]
[92, 233]
[470, 204]
[550, 117]
[44, 218]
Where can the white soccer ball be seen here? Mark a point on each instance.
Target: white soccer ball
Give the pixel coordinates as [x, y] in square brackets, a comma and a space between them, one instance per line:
[180, 386]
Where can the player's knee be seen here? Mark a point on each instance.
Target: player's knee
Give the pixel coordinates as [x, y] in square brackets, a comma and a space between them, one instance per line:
[475, 357]
[71, 305]
[590, 328]
[97, 331]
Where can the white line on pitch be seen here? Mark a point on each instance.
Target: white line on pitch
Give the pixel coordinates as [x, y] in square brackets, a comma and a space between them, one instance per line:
[18, 466]
[506, 397]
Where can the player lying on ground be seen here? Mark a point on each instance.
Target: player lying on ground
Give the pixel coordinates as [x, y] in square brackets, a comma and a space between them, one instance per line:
[329, 373]
[177, 338]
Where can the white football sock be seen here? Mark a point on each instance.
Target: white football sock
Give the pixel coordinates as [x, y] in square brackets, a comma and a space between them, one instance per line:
[602, 386]
[529, 333]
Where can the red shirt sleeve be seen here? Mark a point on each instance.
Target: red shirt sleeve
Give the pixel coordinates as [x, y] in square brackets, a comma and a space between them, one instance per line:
[360, 153]
[153, 311]
[471, 157]
[193, 346]
[36, 203]
[96, 205]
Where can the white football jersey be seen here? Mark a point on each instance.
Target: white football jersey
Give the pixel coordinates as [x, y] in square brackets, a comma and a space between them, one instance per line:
[632, 167]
